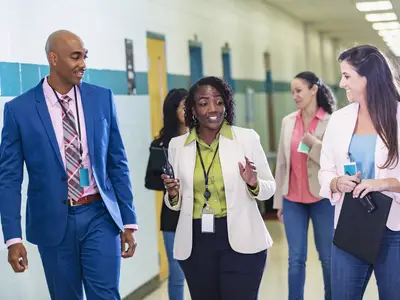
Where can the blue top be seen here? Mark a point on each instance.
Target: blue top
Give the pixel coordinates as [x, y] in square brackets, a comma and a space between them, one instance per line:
[362, 152]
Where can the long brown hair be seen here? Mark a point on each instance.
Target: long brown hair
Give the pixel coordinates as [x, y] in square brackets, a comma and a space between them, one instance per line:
[382, 95]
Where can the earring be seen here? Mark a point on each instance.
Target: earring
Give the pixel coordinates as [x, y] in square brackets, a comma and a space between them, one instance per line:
[194, 118]
[225, 114]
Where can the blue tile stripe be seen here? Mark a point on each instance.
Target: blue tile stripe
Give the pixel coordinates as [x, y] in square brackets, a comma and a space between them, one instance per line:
[176, 81]
[142, 87]
[17, 78]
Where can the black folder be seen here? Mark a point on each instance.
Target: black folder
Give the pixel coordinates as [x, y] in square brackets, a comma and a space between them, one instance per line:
[359, 232]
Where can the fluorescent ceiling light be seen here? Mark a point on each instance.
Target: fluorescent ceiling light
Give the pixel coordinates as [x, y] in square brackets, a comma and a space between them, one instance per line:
[394, 32]
[381, 17]
[396, 51]
[391, 40]
[374, 5]
[386, 25]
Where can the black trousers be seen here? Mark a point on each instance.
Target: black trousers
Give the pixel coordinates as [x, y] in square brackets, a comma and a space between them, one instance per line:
[214, 271]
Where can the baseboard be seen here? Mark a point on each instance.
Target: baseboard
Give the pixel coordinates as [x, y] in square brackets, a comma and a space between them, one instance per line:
[144, 290]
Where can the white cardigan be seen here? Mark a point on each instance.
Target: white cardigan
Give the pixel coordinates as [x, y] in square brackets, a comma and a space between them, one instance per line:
[334, 155]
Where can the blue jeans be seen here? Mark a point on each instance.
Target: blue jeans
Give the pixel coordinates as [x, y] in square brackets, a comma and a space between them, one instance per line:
[350, 275]
[176, 278]
[296, 217]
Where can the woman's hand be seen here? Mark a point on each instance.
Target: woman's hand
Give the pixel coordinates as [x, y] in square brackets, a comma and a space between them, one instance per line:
[309, 139]
[248, 172]
[368, 185]
[346, 184]
[172, 185]
[279, 214]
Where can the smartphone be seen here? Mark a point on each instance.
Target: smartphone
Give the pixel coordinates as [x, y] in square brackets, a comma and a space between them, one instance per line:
[168, 170]
[368, 203]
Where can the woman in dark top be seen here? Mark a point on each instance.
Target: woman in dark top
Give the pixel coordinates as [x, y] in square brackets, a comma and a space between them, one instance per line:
[174, 125]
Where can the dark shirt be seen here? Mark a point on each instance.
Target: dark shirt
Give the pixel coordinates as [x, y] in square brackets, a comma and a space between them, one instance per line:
[153, 181]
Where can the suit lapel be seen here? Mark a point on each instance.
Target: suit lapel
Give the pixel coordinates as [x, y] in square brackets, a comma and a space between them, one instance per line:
[321, 126]
[89, 117]
[188, 155]
[44, 115]
[227, 159]
[348, 124]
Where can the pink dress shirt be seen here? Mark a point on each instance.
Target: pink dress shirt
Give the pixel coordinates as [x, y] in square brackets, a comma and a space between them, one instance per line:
[299, 190]
[55, 111]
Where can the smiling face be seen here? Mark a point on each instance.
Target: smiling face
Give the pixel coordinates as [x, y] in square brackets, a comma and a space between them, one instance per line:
[209, 107]
[354, 84]
[67, 58]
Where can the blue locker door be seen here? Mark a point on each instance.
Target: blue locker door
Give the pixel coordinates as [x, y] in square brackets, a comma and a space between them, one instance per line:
[226, 65]
[196, 64]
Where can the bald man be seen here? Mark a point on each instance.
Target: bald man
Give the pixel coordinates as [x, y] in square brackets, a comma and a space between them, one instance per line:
[80, 209]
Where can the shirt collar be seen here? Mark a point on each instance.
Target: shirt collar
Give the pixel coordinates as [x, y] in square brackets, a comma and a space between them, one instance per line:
[226, 131]
[49, 93]
[319, 115]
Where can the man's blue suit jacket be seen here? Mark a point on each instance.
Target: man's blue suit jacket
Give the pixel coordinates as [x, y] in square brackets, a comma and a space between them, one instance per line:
[28, 136]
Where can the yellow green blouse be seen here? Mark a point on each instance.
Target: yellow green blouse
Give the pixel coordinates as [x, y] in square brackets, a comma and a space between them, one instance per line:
[217, 200]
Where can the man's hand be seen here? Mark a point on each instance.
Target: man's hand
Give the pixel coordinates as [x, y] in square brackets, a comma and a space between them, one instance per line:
[18, 257]
[128, 238]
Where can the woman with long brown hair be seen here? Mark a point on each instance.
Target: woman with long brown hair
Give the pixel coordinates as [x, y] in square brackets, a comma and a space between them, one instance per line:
[366, 134]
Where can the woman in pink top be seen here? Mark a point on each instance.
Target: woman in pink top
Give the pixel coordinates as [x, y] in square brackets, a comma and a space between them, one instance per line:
[297, 188]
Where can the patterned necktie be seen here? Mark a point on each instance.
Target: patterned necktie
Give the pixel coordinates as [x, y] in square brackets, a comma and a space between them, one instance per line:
[72, 154]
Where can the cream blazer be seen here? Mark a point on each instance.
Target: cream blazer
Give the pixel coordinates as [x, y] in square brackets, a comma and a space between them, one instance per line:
[247, 232]
[282, 171]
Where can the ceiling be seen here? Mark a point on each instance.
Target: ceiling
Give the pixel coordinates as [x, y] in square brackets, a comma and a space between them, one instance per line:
[336, 18]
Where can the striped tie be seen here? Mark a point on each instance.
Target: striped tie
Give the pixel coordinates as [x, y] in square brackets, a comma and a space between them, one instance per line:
[72, 154]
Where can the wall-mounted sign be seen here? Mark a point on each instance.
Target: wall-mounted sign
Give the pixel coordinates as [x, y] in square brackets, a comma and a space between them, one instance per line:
[130, 70]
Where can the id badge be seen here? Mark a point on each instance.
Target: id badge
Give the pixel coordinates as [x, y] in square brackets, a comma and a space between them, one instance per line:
[207, 220]
[350, 169]
[303, 148]
[84, 177]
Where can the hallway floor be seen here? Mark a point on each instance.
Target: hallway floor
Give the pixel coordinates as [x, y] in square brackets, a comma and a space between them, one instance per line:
[274, 283]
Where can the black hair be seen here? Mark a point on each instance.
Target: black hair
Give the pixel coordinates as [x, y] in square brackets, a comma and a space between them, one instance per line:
[382, 94]
[171, 122]
[325, 96]
[221, 86]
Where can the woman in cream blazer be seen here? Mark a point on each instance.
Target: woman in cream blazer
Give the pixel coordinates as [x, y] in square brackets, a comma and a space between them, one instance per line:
[227, 263]
[297, 195]
[365, 132]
